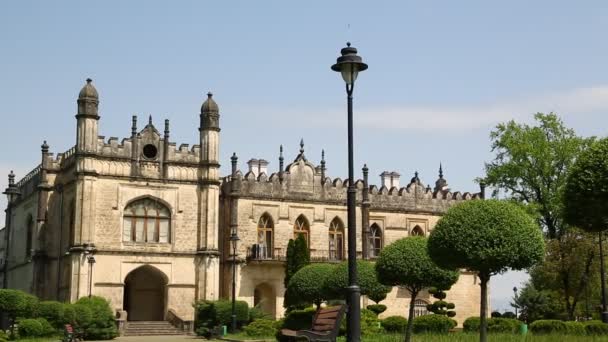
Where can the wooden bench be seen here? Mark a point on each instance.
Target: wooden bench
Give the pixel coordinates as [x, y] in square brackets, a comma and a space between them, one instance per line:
[70, 334]
[325, 325]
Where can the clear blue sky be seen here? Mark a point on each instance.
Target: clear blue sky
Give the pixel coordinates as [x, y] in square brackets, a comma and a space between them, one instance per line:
[441, 75]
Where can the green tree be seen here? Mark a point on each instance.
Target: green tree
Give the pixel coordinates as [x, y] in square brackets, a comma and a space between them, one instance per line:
[298, 256]
[337, 283]
[488, 237]
[536, 304]
[531, 166]
[586, 194]
[307, 285]
[406, 263]
[17, 304]
[440, 306]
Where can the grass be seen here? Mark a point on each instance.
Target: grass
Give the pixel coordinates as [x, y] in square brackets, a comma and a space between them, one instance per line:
[464, 337]
[241, 336]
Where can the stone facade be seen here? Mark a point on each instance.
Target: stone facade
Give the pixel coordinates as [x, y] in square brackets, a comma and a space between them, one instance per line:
[156, 219]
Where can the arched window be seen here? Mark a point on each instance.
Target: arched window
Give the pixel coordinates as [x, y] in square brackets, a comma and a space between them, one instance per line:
[146, 220]
[265, 228]
[29, 236]
[336, 239]
[417, 231]
[301, 227]
[420, 308]
[375, 239]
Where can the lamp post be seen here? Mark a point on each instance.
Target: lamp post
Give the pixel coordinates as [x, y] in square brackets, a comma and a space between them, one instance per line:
[88, 251]
[233, 240]
[349, 65]
[515, 298]
[11, 193]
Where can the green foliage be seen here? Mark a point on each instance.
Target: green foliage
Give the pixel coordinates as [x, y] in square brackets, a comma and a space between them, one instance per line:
[509, 314]
[307, 285]
[534, 304]
[101, 325]
[256, 313]
[83, 315]
[69, 315]
[261, 328]
[337, 282]
[210, 314]
[223, 309]
[394, 324]
[496, 314]
[486, 236]
[17, 304]
[377, 308]
[471, 324]
[298, 256]
[299, 319]
[596, 328]
[435, 324]
[575, 328]
[35, 327]
[377, 296]
[586, 191]
[441, 307]
[370, 324]
[548, 326]
[53, 312]
[205, 318]
[495, 325]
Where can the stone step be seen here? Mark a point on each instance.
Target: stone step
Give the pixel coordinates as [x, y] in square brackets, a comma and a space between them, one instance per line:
[151, 328]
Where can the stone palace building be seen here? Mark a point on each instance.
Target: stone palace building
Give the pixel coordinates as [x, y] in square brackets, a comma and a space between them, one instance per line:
[146, 223]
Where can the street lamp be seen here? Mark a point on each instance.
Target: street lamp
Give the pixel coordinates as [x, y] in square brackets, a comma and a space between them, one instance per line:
[12, 192]
[233, 240]
[349, 65]
[88, 251]
[515, 298]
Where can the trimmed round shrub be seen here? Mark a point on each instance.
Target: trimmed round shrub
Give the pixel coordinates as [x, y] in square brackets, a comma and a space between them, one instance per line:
[503, 325]
[337, 282]
[435, 324]
[596, 328]
[575, 328]
[261, 328]
[306, 286]
[83, 315]
[509, 314]
[53, 312]
[69, 314]
[548, 326]
[18, 304]
[205, 318]
[223, 310]
[377, 308]
[496, 314]
[102, 325]
[394, 324]
[47, 328]
[299, 319]
[30, 327]
[471, 324]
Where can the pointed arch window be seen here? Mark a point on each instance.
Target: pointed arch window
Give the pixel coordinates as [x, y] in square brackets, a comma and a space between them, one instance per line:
[375, 239]
[417, 231]
[336, 239]
[265, 236]
[301, 227]
[146, 220]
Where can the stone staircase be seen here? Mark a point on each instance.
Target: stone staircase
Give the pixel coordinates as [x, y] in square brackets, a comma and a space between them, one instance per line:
[151, 328]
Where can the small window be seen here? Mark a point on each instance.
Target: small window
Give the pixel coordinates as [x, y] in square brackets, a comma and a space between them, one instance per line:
[420, 308]
[336, 240]
[375, 241]
[150, 151]
[265, 229]
[301, 227]
[417, 231]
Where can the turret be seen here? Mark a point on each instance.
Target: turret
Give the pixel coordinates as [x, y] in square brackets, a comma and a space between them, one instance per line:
[87, 118]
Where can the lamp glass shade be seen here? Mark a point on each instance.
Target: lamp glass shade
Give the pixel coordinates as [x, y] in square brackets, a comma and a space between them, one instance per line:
[349, 72]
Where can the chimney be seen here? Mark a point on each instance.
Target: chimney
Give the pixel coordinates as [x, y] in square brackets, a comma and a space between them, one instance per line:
[262, 167]
[253, 166]
[394, 179]
[385, 179]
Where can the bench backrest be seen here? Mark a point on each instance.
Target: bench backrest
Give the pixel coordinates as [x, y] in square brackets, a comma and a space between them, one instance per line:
[328, 319]
[69, 329]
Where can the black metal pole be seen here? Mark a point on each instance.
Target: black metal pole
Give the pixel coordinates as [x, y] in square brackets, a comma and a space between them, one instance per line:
[603, 280]
[354, 293]
[233, 328]
[90, 276]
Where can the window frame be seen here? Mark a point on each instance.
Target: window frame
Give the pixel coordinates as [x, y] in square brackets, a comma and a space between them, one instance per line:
[373, 251]
[302, 226]
[161, 214]
[264, 227]
[336, 234]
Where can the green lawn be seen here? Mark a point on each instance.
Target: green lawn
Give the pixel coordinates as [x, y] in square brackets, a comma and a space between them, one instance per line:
[463, 337]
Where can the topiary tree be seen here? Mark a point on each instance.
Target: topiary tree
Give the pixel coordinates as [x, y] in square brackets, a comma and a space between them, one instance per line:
[297, 256]
[586, 197]
[488, 237]
[307, 285]
[337, 282]
[440, 306]
[17, 304]
[406, 263]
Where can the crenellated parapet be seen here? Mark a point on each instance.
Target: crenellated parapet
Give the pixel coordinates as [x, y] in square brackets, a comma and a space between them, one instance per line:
[303, 181]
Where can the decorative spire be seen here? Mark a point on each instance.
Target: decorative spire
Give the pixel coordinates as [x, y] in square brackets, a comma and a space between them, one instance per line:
[166, 129]
[440, 171]
[301, 155]
[88, 100]
[234, 159]
[45, 147]
[11, 179]
[150, 120]
[281, 163]
[441, 184]
[134, 126]
[322, 166]
[415, 179]
[302, 145]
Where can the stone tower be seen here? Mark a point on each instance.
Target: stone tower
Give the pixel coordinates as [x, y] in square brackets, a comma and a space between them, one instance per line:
[87, 118]
[208, 263]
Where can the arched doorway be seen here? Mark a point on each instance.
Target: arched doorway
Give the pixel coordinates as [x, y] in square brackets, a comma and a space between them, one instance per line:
[145, 294]
[264, 298]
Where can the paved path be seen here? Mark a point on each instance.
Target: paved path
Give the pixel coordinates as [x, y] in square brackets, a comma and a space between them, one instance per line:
[159, 339]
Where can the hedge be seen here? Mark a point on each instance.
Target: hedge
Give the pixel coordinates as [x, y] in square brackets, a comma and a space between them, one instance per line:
[575, 328]
[495, 325]
[548, 326]
[394, 324]
[437, 324]
[101, 325]
[596, 328]
[262, 328]
[54, 313]
[210, 314]
[35, 327]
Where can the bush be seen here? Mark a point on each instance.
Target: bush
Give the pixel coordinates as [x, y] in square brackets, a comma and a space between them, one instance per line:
[503, 325]
[596, 328]
[17, 304]
[437, 324]
[394, 324]
[369, 322]
[471, 325]
[69, 314]
[261, 328]
[575, 328]
[306, 286]
[3, 336]
[35, 327]
[205, 318]
[496, 314]
[377, 308]
[101, 325]
[53, 312]
[223, 310]
[509, 314]
[83, 315]
[548, 326]
[299, 319]
[256, 313]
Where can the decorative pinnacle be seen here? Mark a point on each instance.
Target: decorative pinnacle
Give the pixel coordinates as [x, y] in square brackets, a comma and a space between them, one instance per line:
[166, 127]
[11, 178]
[89, 80]
[150, 120]
[416, 174]
[234, 158]
[348, 44]
[302, 145]
[440, 170]
[281, 151]
[323, 156]
[45, 147]
[209, 95]
[365, 169]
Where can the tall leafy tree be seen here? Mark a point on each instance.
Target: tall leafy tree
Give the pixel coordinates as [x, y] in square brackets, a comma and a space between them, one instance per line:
[531, 165]
[406, 263]
[298, 256]
[488, 237]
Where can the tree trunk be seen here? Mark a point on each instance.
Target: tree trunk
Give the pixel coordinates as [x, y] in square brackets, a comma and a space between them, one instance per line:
[483, 310]
[410, 318]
